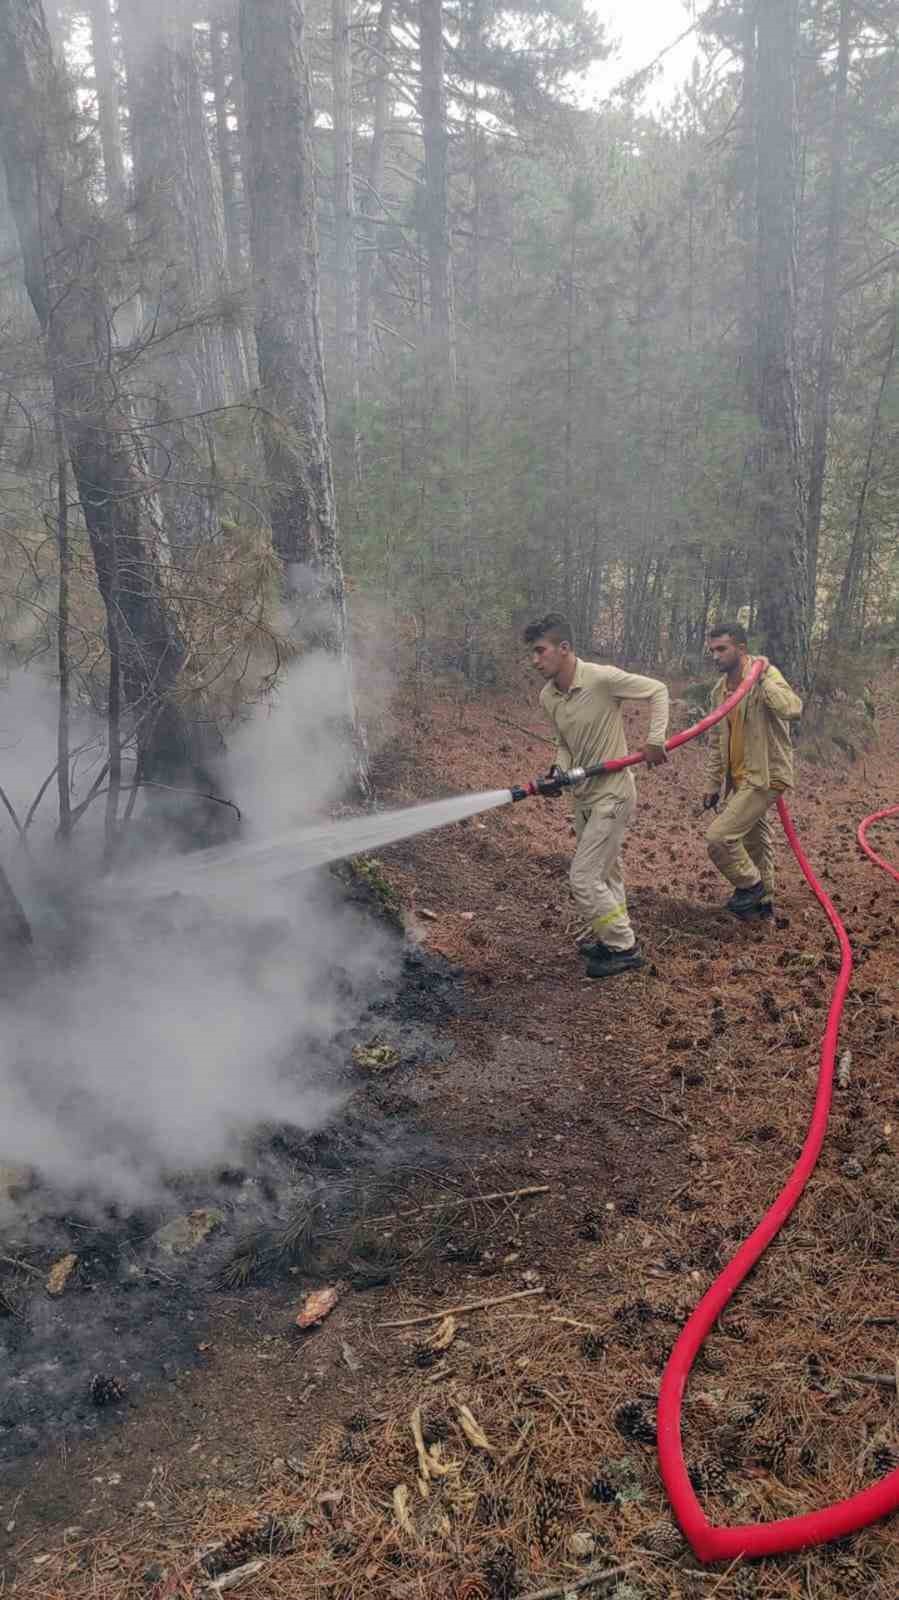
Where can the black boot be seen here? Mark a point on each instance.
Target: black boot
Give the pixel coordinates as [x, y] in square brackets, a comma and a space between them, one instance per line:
[746, 900]
[605, 963]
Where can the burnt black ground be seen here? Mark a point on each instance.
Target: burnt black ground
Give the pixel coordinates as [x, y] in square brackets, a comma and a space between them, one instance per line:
[136, 1314]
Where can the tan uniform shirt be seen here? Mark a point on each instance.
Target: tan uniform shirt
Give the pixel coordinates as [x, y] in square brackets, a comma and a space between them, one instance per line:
[768, 709]
[590, 728]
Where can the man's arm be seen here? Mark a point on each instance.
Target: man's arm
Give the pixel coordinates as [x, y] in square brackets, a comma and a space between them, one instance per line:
[714, 772]
[778, 696]
[632, 686]
[563, 757]
[715, 766]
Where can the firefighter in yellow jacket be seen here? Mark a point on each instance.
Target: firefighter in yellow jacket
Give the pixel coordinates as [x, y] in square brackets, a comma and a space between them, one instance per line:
[752, 756]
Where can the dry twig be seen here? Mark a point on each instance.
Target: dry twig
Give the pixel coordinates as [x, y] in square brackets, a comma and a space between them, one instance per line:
[575, 1585]
[461, 1311]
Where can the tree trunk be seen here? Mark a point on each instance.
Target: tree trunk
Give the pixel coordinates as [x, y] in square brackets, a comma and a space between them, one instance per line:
[824, 377]
[347, 304]
[107, 84]
[178, 209]
[782, 570]
[380, 114]
[17, 966]
[747, 178]
[219, 58]
[64, 255]
[344, 203]
[436, 144]
[847, 606]
[293, 401]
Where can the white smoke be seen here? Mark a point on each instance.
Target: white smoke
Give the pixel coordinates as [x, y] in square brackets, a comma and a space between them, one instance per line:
[161, 1031]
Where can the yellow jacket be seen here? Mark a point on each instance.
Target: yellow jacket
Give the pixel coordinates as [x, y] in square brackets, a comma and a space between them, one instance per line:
[768, 709]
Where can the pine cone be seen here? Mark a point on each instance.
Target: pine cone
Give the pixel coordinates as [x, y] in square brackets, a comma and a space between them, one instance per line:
[424, 1356]
[662, 1539]
[592, 1346]
[602, 1491]
[492, 1510]
[772, 1453]
[499, 1573]
[742, 1414]
[435, 1430]
[548, 1513]
[268, 1537]
[357, 1423]
[106, 1391]
[714, 1476]
[352, 1450]
[632, 1423]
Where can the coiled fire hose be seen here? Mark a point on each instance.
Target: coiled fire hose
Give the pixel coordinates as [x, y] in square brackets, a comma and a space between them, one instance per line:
[710, 1542]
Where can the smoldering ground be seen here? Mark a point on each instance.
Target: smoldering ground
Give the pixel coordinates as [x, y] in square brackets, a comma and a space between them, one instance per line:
[174, 1059]
[160, 1030]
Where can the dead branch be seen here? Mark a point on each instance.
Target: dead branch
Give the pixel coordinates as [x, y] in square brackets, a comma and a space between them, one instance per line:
[463, 1200]
[461, 1311]
[590, 1580]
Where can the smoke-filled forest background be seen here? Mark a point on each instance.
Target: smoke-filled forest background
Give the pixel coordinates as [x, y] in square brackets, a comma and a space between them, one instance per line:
[638, 365]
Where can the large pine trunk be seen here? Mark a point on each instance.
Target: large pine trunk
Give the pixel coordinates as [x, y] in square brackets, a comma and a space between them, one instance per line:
[64, 248]
[782, 566]
[293, 406]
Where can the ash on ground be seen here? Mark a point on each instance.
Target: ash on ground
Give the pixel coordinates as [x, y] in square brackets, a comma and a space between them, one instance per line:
[133, 1305]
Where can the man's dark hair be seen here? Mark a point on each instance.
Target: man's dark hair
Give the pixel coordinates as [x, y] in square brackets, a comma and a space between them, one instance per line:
[734, 630]
[554, 627]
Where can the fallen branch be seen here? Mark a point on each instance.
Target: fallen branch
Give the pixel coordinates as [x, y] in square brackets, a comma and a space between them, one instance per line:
[575, 1585]
[465, 1200]
[461, 1311]
[883, 1380]
[23, 1266]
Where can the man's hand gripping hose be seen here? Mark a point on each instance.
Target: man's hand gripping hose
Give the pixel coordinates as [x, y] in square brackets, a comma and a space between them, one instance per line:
[709, 1541]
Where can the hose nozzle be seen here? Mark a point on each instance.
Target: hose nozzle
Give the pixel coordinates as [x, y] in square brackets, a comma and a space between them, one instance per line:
[553, 782]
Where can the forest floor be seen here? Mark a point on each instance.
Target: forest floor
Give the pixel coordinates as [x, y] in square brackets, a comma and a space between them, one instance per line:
[655, 1117]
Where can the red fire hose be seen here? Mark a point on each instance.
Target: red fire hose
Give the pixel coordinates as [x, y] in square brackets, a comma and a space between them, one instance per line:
[877, 816]
[711, 1543]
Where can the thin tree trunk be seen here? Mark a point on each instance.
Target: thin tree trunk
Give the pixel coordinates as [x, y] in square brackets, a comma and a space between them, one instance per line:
[178, 208]
[848, 601]
[568, 508]
[824, 378]
[436, 145]
[15, 940]
[380, 114]
[63, 724]
[219, 58]
[107, 84]
[782, 570]
[288, 326]
[345, 219]
[747, 177]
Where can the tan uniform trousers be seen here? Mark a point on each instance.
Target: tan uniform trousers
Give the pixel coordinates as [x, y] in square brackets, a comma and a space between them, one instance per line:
[596, 876]
[741, 839]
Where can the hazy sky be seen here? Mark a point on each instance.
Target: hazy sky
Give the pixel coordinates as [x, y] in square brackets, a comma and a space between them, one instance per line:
[644, 28]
